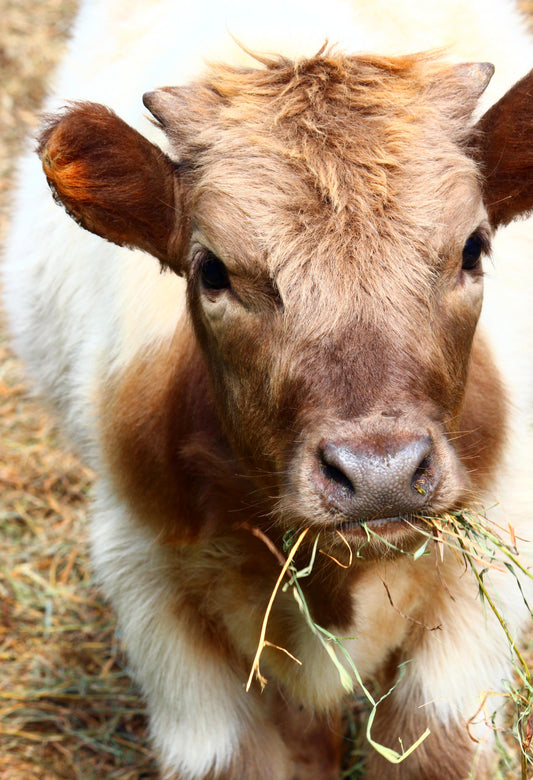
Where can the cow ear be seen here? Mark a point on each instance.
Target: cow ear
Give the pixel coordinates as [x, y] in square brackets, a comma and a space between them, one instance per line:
[503, 148]
[113, 181]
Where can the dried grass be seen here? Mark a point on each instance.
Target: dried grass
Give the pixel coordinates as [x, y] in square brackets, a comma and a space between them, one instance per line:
[67, 706]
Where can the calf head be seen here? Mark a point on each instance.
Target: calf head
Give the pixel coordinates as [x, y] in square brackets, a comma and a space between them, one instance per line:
[330, 217]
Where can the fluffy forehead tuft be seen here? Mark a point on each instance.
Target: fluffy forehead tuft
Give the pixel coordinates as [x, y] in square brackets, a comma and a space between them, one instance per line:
[333, 157]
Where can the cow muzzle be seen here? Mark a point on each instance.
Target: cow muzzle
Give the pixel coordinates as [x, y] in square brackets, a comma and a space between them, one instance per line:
[380, 471]
[366, 481]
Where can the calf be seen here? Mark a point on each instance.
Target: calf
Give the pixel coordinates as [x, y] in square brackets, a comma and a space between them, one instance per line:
[308, 366]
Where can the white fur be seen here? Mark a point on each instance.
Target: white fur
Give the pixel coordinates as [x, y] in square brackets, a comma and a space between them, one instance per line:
[194, 729]
[79, 307]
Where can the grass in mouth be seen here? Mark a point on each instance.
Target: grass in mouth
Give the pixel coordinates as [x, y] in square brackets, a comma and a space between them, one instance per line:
[479, 546]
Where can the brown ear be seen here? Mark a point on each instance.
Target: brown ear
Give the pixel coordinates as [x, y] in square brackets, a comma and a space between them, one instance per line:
[503, 147]
[112, 180]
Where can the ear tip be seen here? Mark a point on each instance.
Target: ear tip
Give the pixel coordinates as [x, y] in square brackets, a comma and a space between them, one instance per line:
[475, 76]
[486, 70]
[158, 101]
[148, 99]
[481, 74]
[151, 101]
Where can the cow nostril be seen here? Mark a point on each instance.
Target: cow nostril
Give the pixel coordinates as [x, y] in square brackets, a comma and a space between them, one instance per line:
[334, 474]
[370, 481]
[422, 478]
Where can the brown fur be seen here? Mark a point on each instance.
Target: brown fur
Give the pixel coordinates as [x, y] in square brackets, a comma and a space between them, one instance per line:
[339, 193]
[164, 442]
[481, 434]
[507, 160]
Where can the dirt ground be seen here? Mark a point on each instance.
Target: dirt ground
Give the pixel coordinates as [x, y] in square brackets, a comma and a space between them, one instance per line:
[68, 709]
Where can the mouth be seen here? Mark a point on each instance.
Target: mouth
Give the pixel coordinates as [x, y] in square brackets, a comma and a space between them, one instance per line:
[386, 524]
[381, 536]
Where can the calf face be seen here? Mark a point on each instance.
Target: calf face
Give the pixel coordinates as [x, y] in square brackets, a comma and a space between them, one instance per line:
[330, 218]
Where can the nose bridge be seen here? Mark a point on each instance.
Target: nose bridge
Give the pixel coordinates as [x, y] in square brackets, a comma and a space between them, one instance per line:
[390, 363]
[348, 353]
[348, 368]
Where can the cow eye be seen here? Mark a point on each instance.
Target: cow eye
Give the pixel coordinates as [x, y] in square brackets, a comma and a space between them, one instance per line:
[213, 273]
[475, 246]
